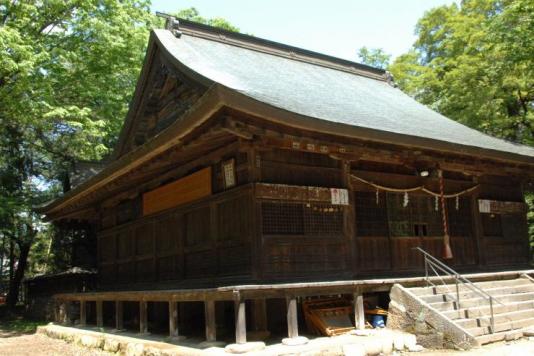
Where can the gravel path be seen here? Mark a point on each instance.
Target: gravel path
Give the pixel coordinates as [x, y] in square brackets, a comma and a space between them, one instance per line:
[39, 345]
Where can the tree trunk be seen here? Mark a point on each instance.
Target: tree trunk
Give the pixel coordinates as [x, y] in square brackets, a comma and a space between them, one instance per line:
[14, 284]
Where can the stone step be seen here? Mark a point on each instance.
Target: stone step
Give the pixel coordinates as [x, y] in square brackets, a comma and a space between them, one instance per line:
[494, 292]
[479, 311]
[483, 285]
[499, 318]
[476, 302]
[500, 336]
[500, 327]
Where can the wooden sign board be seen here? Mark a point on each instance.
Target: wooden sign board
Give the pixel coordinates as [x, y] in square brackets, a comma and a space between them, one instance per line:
[500, 207]
[228, 169]
[292, 192]
[184, 190]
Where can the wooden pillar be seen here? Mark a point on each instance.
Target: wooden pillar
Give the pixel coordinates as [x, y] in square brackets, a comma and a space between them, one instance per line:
[259, 315]
[56, 312]
[83, 313]
[359, 313]
[64, 312]
[349, 216]
[143, 327]
[240, 321]
[173, 319]
[479, 240]
[119, 315]
[209, 316]
[99, 316]
[292, 320]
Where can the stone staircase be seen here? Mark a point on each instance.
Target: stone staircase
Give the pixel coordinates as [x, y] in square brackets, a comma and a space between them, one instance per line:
[513, 307]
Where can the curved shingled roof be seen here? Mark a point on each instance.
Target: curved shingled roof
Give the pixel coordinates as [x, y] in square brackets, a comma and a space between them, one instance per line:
[355, 95]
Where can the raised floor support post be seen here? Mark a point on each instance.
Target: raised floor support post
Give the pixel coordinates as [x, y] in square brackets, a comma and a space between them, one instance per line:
[99, 316]
[143, 327]
[119, 315]
[64, 312]
[359, 313]
[292, 320]
[211, 327]
[293, 324]
[240, 320]
[173, 320]
[83, 313]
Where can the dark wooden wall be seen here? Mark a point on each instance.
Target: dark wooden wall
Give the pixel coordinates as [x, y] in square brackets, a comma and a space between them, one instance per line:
[206, 240]
[242, 235]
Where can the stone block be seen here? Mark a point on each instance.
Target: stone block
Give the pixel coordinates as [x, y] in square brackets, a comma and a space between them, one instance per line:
[295, 341]
[134, 349]
[111, 345]
[354, 350]
[91, 341]
[244, 348]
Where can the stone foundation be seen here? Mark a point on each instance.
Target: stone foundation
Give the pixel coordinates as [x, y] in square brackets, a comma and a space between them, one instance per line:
[433, 330]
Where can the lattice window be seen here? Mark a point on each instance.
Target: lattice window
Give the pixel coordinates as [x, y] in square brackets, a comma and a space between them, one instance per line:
[418, 218]
[323, 219]
[282, 218]
[460, 217]
[399, 216]
[371, 214]
[294, 218]
[427, 220]
[491, 224]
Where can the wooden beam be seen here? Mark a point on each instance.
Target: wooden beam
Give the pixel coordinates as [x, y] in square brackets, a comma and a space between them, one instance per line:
[83, 313]
[173, 319]
[292, 320]
[359, 313]
[119, 315]
[143, 321]
[209, 316]
[99, 316]
[240, 320]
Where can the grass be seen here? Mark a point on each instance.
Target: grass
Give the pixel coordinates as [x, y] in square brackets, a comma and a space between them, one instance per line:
[19, 325]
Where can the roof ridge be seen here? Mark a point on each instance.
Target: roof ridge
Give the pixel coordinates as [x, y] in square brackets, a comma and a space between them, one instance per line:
[259, 44]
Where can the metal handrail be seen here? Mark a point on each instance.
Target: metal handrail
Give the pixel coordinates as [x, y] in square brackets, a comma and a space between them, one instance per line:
[434, 263]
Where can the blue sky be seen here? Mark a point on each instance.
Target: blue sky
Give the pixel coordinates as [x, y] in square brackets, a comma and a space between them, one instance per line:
[334, 27]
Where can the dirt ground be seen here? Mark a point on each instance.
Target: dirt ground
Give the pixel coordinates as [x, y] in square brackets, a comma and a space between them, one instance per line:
[15, 344]
[522, 347]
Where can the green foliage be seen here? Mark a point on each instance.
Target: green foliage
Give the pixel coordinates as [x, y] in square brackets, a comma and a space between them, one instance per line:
[67, 71]
[192, 14]
[374, 57]
[19, 325]
[475, 64]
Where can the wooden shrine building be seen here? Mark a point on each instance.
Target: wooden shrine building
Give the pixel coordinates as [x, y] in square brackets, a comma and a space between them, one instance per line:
[248, 169]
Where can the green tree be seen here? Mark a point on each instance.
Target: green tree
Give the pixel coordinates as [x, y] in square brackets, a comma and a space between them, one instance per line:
[67, 71]
[374, 57]
[192, 14]
[475, 64]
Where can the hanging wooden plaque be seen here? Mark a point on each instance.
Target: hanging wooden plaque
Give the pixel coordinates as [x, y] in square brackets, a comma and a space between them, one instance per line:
[500, 207]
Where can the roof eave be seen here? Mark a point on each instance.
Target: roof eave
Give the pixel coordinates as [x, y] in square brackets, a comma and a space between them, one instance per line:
[206, 106]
